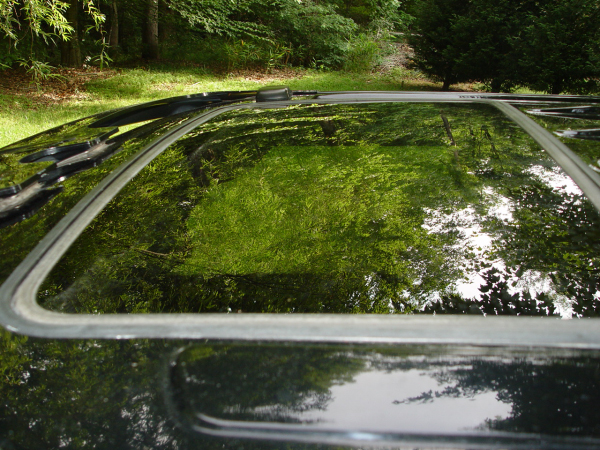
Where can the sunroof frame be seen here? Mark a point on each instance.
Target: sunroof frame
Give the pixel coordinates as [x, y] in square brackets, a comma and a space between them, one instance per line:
[20, 312]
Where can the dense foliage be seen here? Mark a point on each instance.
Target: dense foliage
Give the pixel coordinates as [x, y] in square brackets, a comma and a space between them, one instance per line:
[544, 45]
[31, 29]
[215, 33]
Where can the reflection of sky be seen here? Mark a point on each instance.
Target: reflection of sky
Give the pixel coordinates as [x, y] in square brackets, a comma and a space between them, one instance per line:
[470, 238]
[556, 179]
[377, 401]
[474, 243]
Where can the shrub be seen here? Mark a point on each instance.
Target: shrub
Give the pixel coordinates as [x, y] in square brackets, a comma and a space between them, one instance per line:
[363, 54]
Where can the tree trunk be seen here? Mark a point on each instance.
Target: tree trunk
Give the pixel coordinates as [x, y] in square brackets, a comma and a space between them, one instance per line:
[496, 85]
[113, 34]
[150, 35]
[557, 87]
[70, 53]
[446, 85]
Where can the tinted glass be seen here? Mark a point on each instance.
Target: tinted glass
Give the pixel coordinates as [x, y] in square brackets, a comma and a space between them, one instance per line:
[378, 208]
[59, 185]
[558, 120]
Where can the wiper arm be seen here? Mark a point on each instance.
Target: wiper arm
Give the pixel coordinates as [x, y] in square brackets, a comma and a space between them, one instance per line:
[171, 106]
[59, 153]
[592, 135]
[577, 112]
[185, 103]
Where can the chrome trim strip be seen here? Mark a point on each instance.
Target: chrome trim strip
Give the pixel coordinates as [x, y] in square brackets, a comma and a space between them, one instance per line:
[20, 312]
[307, 433]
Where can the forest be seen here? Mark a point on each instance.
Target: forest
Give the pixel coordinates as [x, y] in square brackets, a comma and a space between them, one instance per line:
[540, 45]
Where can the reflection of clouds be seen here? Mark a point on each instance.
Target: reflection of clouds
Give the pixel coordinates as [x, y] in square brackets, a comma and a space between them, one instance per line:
[471, 243]
[499, 207]
[536, 283]
[373, 401]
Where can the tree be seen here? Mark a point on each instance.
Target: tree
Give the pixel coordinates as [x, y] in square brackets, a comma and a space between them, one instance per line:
[437, 47]
[113, 34]
[28, 26]
[150, 34]
[487, 33]
[559, 47]
[545, 45]
[315, 31]
[34, 16]
[70, 53]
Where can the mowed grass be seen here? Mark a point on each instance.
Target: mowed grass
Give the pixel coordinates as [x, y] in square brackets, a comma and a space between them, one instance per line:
[22, 116]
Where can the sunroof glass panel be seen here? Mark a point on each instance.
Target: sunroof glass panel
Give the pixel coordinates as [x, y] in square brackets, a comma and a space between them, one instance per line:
[372, 208]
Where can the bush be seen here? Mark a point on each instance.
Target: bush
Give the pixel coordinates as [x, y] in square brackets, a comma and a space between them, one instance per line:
[314, 34]
[363, 54]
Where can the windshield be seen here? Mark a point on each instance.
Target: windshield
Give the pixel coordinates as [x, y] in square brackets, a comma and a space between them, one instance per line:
[365, 208]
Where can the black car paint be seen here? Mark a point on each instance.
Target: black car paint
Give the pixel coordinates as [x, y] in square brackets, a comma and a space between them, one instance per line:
[137, 393]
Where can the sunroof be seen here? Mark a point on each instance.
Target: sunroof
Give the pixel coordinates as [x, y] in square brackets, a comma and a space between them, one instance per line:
[373, 213]
[374, 208]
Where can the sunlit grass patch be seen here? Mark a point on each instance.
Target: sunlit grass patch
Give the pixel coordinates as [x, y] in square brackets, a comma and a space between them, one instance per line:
[21, 117]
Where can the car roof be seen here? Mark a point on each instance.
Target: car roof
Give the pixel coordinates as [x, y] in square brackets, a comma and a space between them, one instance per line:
[20, 312]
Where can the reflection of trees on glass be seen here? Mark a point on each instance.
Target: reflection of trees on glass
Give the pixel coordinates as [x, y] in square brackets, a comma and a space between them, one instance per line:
[276, 384]
[337, 223]
[556, 396]
[548, 394]
[345, 208]
[19, 237]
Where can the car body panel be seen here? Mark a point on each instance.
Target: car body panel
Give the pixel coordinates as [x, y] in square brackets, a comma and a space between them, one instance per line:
[145, 377]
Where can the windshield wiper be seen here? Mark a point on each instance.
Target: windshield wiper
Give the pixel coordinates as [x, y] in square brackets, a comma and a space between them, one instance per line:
[170, 107]
[176, 105]
[577, 112]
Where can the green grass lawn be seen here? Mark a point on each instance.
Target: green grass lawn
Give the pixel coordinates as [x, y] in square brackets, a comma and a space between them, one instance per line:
[22, 116]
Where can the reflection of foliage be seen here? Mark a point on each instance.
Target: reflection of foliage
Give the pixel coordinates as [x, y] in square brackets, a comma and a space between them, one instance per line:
[328, 208]
[562, 239]
[82, 395]
[13, 358]
[557, 396]
[276, 383]
[495, 300]
[339, 217]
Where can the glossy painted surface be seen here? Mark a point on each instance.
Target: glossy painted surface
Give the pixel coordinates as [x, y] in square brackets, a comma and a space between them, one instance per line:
[149, 394]
[381, 208]
[388, 391]
[578, 128]
[24, 227]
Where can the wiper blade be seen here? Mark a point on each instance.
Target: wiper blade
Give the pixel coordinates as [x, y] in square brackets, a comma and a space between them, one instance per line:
[59, 153]
[176, 105]
[577, 112]
[170, 107]
[592, 134]
[20, 200]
